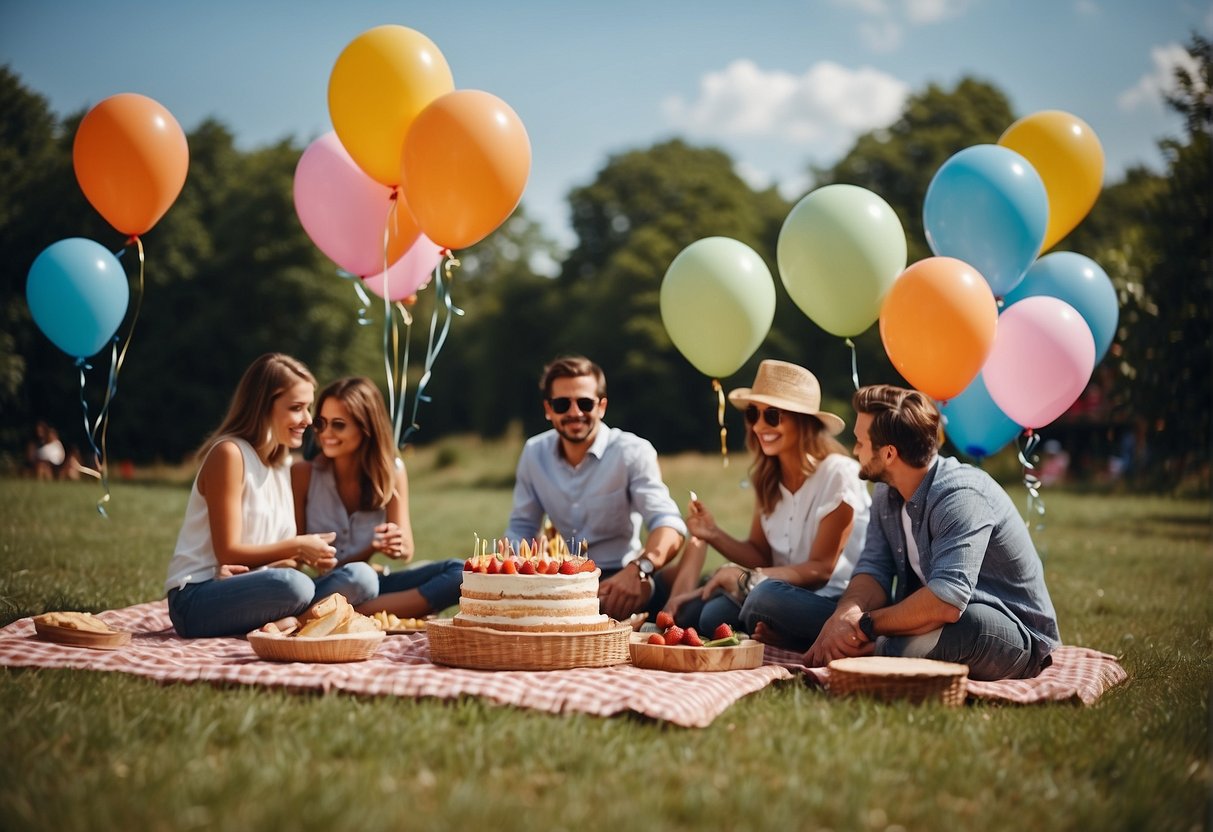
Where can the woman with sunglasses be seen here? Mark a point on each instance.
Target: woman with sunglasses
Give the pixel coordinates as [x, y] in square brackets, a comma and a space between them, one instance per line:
[358, 487]
[808, 528]
[239, 517]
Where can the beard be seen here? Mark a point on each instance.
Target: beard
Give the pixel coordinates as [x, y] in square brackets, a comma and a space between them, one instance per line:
[873, 471]
[575, 429]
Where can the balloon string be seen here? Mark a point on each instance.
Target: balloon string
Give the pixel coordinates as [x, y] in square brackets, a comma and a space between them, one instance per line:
[1035, 503]
[100, 472]
[391, 334]
[398, 413]
[724, 433]
[442, 302]
[363, 298]
[854, 364]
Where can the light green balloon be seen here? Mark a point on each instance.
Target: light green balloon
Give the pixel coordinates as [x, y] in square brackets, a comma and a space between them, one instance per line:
[839, 251]
[717, 304]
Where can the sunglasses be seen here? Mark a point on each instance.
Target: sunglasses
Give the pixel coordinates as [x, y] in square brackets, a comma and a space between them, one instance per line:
[771, 415]
[321, 424]
[562, 404]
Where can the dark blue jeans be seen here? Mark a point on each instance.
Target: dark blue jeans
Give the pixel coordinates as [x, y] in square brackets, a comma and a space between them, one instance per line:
[437, 581]
[991, 643]
[794, 613]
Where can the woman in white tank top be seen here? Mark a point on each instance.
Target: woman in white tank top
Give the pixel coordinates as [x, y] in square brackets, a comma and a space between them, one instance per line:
[240, 518]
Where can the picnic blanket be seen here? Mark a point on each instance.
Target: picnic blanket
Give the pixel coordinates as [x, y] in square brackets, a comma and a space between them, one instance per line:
[401, 667]
[1077, 674]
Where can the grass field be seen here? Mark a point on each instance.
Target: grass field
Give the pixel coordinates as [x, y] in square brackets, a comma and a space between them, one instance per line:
[1129, 575]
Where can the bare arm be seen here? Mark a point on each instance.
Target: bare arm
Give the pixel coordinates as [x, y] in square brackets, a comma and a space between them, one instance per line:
[832, 535]
[394, 537]
[841, 635]
[918, 614]
[752, 552]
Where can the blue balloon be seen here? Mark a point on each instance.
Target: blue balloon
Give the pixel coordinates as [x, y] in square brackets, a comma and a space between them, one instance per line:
[78, 294]
[987, 206]
[976, 426]
[1080, 282]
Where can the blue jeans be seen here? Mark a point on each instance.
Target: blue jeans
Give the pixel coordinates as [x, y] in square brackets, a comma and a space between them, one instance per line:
[437, 581]
[794, 613]
[991, 643]
[706, 616]
[234, 606]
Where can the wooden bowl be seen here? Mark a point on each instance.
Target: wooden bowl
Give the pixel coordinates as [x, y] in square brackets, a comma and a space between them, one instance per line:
[679, 659]
[352, 647]
[81, 638]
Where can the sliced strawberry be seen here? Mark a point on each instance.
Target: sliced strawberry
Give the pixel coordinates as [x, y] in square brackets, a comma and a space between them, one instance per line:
[567, 568]
[664, 620]
[674, 635]
[656, 638]
[722, 631]
[527, 568]
[691, 638]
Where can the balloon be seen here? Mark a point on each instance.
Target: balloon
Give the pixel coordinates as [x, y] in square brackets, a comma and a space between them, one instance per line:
[1080, 282]
[381, 81]
[717, 304]
[937, 324]
[344, 211]
[1069, 158]
[1041, 361]
[465, 163]
[130, 157]
[975, 424]
[987, 206]
[408, 274]
[78, 294]
[839, 251]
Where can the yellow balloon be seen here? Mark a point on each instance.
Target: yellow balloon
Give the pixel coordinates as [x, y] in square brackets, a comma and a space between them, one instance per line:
[381, 81]
[1069, 158]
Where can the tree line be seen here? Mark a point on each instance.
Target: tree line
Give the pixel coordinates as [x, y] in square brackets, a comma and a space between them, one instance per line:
[230, 274]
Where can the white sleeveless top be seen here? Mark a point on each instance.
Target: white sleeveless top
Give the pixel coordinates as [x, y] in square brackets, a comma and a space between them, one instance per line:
[792, 526]
[326, 513]
[267, 515]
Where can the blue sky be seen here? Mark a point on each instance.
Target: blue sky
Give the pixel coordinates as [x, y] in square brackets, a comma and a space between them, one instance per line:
[779, 84]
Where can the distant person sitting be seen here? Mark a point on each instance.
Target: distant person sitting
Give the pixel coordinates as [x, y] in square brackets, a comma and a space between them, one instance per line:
[597, 484]
[948, 571]
[48, 452]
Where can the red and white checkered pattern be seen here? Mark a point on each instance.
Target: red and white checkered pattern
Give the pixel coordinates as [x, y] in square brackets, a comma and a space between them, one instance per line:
[401, 667]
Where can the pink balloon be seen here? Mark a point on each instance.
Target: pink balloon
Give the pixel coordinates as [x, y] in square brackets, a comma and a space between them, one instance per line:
[344, 211]
[1041, 362]
[408, 274]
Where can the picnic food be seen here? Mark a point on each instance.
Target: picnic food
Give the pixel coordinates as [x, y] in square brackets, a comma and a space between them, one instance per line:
[671, 635]
[388, 622]
[83, 621]
[531, 590]
[332, 616]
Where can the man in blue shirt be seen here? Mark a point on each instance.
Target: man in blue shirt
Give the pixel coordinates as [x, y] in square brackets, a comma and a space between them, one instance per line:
[598, 484]
[948, 570]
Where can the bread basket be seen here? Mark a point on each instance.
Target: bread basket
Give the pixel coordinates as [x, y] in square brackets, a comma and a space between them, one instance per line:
[892, 678]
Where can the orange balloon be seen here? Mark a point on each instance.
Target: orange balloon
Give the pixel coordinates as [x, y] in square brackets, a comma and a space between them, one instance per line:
[130, 157]
[937, 324]
[465, 163]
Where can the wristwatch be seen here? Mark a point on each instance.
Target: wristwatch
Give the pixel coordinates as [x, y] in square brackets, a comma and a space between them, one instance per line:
[867, 627]
[645, 566]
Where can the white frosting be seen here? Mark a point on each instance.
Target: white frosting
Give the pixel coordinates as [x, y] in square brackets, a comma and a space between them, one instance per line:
[532, 586]
[538, 601]
[534, 621]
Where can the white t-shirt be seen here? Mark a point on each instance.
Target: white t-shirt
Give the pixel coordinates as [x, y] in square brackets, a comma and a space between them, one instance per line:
[267, 515]
[792, 527]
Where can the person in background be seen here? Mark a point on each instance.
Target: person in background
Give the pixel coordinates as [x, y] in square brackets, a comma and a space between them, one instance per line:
[949, 571]
[808, 527]
[240, 518]
[598, 484]
[358, 488]
[48, 452]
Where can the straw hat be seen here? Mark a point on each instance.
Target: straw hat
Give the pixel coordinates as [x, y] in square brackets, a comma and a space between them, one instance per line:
[787, 387]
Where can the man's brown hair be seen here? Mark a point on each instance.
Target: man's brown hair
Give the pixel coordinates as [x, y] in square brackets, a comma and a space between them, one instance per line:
[571, 366]
[905, 419]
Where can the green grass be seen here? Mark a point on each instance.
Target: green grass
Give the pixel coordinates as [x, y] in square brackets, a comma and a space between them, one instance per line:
[1129, 575]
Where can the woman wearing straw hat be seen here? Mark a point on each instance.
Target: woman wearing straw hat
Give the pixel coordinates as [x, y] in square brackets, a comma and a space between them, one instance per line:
[810, 519]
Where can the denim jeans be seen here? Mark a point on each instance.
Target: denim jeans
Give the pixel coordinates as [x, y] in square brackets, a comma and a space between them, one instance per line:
[794, 613]
[706, 616]
[234, 606]
[437, 581]
[991, 643]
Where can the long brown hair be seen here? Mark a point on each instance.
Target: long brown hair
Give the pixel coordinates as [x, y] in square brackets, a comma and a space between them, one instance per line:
[377, 458]
[248, 416]
[765, 472]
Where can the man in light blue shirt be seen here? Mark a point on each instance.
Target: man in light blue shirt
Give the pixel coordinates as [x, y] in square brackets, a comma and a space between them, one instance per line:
[598, 484]
[948, 570]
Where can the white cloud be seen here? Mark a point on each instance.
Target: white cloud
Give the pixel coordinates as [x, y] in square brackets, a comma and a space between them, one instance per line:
[827, 106]
[1154, 86]
[885, 21]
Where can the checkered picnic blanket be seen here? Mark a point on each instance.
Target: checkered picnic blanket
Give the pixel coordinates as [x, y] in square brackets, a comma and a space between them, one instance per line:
[401, 667]
[1077, 674]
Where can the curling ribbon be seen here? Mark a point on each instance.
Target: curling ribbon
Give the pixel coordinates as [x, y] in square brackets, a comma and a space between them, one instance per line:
[854, 364]
[724, 433]
[363, 298]
[433, 348]
[391, 333]
[1035, 503]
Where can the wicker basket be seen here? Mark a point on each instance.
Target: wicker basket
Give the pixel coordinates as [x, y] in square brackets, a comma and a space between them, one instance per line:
[890, 678]
[354, 647]
[480, 648]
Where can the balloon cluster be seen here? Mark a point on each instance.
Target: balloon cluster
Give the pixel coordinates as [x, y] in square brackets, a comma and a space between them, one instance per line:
[414, 167]
[1003, 338]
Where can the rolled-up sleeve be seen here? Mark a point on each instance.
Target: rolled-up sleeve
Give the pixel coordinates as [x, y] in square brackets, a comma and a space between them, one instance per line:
[649, 494]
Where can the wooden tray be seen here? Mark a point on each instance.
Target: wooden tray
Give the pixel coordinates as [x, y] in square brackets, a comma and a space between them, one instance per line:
[351, 647]
[745, 656]
[81, 638]
[891, 677]
[480, 648]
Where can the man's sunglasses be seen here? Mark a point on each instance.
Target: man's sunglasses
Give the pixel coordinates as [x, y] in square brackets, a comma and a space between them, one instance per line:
[561, 404]
[771, 415]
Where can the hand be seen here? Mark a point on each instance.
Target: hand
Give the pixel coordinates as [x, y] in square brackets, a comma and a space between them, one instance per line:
[315, 551]
[726, 579]
[700, 521]
[623, 594]
[839, 638]
[227, 570]
[389, 541]
[677, 602]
